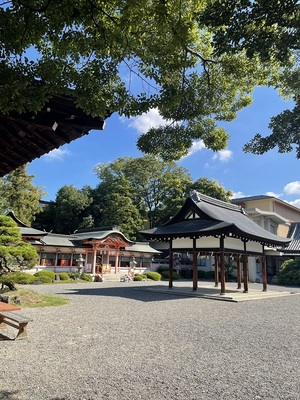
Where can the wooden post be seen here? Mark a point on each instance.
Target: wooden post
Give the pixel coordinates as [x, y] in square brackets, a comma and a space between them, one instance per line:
[216, 270]
[94, 259]
[222, 261]
[245, 268]
[264, 272]
[238, 271]
[170, 265]
[117, 261]
[195, 266]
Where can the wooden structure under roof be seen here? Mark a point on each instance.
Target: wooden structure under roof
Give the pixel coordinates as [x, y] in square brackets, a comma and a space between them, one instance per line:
[210, 226]
[25, 137]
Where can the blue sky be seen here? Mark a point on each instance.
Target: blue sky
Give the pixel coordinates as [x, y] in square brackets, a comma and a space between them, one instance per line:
[245, 174]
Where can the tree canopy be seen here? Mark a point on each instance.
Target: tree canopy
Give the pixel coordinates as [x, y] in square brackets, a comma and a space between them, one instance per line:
[132, 193]
[212, 188]
[18, 193]
[13, 250]
[196, 61]
[156, 188]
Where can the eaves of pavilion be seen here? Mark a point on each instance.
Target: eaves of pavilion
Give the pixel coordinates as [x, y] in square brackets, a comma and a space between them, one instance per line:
[27, 136]
[207, 225]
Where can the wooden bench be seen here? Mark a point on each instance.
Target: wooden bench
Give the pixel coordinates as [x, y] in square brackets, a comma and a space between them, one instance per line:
[15, 320]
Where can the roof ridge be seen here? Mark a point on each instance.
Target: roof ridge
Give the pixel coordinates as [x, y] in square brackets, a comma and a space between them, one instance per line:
[198, 197]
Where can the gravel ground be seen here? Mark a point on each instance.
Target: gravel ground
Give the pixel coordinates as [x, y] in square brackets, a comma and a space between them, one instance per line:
[116, 342]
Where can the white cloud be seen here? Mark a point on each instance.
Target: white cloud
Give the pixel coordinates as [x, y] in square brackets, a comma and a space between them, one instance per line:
[237, 195]
[57, 154]
[147, 120]
[295, 203]
[272, 194]
[223, 155]
[292, 188]
[196, 146]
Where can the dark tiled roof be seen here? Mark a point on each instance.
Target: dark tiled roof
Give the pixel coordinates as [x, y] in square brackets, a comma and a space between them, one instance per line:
[294, 234]
[25, 137]
[215, 218]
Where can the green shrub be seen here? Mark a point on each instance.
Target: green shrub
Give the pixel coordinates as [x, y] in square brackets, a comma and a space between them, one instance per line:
[162, 268]
[86, 277]
[201, 274]
[289, 273]
[44, 279]
[45, 273]
[139, 277]
[64, 276]
[21, 278]
[186, 273]
[209, 275]
[166, 275]
[154, 276]
[74, 275]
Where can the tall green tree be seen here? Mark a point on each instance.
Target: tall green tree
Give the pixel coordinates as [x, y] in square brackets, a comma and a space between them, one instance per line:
[156, 188]
[19, 193]
[13, 250]
[131, 56]
[70, 204]
[212, 188]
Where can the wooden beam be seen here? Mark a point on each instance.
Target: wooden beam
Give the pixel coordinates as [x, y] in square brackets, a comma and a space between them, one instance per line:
[264, 272]
[170, 265]
[245, 268]
[216, 270]
[222, 262]
[238, 272]
[195, 266]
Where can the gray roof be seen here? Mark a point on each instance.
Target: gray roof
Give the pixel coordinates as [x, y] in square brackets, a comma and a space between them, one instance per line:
[27, 231]
[294, 235]
[98, 234]
[142, 247]
[56, 239]
[214, 218]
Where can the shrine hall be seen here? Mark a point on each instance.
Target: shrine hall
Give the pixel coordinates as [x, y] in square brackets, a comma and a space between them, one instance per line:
[207, 226]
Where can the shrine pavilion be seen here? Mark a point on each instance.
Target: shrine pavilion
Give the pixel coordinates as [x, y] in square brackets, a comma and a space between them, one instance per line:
[105, 250]
[207, 226]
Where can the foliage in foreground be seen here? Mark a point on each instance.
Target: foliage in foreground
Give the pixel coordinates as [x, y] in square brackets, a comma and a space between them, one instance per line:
[30, 298]
[289, 273]
[196, 61]
[13, 250]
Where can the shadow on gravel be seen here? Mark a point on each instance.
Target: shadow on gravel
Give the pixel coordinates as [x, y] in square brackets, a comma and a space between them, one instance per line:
[139, 294]
[145, 293]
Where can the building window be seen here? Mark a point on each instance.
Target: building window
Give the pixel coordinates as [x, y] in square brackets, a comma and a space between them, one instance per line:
[48, 259]
[63, 260]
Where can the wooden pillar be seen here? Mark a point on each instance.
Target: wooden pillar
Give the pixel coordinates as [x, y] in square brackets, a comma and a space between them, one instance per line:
[107, 259]
[222, 262]
[195, 266]
[94, 260]
[170, 265]
[245, 268]
[117, 261]
[264, 272]
[216, 270]
[238, 272]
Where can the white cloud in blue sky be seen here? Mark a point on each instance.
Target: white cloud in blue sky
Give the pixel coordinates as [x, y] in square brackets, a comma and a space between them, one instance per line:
[57, 154]
[272, 194]
[197, 145]
[292, 188]
[237, 195]
[295, 203]
[147, 120]
[223, 155]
